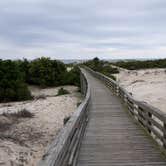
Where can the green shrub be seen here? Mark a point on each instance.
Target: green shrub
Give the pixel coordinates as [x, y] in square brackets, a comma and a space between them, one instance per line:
[24, 113]
[135, 64]
[12, 86]
[72, 77]
[23, 92]
[110, 69]
[15, 75]
[113, 77]
[66, 119]
[42, 96]
[110, 75]
[78, 104]
[46, 72]
[62, 91]
[102, 67]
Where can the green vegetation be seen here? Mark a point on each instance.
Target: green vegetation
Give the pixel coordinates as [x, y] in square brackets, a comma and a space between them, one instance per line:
[72, 77]
[62, 91]
[20, 114]
[12, 85]
[10, 119]
[78, 104]
[110, 75]
[44, 72]
[66, 119]
[42, 96]
[103, 67]
[135, 65]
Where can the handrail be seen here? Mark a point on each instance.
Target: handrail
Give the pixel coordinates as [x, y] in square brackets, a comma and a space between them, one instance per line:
[65, 147]
[152, 119]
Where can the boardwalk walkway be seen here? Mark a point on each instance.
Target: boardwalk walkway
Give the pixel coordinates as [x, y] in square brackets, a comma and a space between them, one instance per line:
[111, 137]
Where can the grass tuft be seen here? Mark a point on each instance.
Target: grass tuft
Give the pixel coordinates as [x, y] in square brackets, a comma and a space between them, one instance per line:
[62, 91]
[24, 113]
[42, 96]
[66, 119]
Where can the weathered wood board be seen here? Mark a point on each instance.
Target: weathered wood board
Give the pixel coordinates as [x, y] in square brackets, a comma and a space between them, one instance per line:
[111, 137]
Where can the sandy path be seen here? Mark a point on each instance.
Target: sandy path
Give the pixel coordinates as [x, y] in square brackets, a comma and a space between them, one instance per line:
[146, 85]
[24, 141]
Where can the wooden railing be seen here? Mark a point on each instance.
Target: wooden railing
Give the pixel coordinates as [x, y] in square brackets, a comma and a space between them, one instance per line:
[151, 118]
[63, 151]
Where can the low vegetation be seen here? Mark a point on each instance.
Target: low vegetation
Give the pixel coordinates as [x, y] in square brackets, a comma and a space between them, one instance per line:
[135, 65]
[12, 84]
[66, 119]
[110, 75]
[44, 72]
[24, 113]
[102, 66]
[42, 96]
[7, 119]
[78, 104]
[62, 91]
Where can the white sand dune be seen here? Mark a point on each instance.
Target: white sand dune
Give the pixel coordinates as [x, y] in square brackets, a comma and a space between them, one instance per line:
[25, 141]
[146, 85]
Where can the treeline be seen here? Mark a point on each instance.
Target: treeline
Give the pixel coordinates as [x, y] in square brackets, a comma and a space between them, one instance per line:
[44, 72]
[102, 66]
[135, 65]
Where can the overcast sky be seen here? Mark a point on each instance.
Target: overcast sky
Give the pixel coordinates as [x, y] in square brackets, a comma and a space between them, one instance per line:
[79, 29]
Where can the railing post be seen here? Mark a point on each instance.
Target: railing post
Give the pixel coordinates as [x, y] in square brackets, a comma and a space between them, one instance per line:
[140, 118]
[164, 136]
[117, 90]
[81, 81]
[83, 85]
[125, 98]
[135, 110]
[149, 116]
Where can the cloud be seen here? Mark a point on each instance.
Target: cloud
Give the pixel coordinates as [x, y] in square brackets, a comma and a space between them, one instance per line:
[82, 29]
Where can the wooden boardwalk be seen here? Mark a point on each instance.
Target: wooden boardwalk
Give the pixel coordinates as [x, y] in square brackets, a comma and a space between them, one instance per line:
[112, 138]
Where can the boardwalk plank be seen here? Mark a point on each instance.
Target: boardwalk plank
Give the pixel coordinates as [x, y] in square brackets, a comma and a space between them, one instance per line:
[111, 137]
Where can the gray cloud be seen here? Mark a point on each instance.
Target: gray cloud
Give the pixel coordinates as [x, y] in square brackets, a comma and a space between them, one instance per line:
[83, 29]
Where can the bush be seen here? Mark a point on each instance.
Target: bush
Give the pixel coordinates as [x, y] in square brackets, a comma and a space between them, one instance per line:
[72, 77]
[110, 69]
[42, 96]
[113, 77]
[23, 92]
[46, 72]
[102, 67]
[78, 104]
[15, 75]
[12, 86]
[62, 91]
[135, 65]
[66, 119]
[5, 123]
[20, 114]
[110, 75]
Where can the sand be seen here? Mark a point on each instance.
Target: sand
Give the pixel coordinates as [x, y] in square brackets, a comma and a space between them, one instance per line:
[146, 85]
[23, 140]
